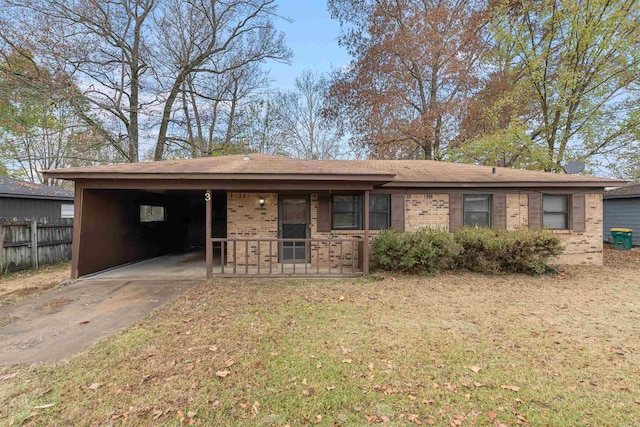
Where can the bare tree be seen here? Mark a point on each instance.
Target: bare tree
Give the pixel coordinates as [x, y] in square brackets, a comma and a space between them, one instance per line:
[213, 37]
[132, 59]
[306, 132]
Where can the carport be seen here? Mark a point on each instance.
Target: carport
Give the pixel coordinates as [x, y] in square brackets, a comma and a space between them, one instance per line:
[122, 226]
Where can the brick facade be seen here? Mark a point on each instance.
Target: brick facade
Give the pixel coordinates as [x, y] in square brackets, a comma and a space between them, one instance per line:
[426, 210]
[247, 219]
[585, 248]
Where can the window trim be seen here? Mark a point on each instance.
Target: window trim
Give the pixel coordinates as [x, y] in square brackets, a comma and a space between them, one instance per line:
[142, 220]
[489, 211]
[567, 213]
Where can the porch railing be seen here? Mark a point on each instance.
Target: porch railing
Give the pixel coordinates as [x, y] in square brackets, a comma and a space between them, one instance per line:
[285, 257]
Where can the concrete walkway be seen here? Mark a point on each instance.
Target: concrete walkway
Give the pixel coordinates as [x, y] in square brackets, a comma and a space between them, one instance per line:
[63, 321]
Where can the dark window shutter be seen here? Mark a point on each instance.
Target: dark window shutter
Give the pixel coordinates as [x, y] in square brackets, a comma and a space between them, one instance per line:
[397, 212]
[499, 211]
[324, 213]
[535, 211]
[456, 212]
[578, 212]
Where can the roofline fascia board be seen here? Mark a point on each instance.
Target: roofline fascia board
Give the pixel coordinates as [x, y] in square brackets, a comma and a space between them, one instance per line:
[494, 184]
[35, 196]
[622, 196]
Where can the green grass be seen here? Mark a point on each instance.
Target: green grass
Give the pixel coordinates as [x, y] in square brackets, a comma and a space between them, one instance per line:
[397, 351]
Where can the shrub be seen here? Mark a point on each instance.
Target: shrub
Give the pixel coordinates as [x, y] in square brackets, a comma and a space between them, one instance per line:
[501, 251]
[427, 251]
[483, 250]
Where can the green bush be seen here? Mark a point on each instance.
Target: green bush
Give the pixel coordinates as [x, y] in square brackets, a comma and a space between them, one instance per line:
[430, 251]
[500, 251]
[427, 251]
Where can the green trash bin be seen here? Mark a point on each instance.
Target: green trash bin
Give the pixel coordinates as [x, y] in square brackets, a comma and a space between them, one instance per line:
[622, 238]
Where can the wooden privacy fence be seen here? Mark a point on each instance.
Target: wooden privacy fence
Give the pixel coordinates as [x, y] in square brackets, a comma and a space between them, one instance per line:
[30, 243]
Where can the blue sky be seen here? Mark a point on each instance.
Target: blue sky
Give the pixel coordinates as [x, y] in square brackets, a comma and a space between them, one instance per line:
[313, 37]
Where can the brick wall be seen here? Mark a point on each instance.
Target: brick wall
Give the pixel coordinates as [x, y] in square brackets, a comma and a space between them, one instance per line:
[426, 210]
[585, 248]
[327, 254]
[247, 219]
[517, 211]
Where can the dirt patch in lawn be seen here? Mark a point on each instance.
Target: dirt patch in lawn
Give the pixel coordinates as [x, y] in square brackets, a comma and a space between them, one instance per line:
[457, 349]
[17, 286]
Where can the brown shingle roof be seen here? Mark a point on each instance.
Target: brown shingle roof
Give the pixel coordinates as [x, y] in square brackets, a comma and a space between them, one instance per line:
[395, 173]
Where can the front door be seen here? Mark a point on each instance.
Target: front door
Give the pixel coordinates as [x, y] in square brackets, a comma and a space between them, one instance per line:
[293, 223]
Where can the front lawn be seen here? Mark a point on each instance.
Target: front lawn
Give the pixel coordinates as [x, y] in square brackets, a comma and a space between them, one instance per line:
[457, 349]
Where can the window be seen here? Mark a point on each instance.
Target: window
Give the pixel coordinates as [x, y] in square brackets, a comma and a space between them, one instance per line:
[379, 211]
[555, 211]
[347, 213]
[477, 210]
[66, 210]
[150, 213]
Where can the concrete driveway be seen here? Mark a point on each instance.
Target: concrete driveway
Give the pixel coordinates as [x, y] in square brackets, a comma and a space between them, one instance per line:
[63, 321]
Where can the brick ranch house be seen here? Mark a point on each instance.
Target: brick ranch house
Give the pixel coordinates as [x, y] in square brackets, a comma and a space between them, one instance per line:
[272, 215]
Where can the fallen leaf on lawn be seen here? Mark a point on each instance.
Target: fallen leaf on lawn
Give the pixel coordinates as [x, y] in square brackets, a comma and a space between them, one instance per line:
[475, 369]
[492, 415]
[46, 405]
[436, 385]
[385, 419]
[413, 418]
[95, 386]
[452, 388]
[345, 350]
[9, 376]
[318, 418]
[255, 407]
[478, 385]
[304, 381]
[467, 396]
[319, 365]
[228, 363]
[341, 298]
[347, 360]
[331, 387]
[191, 414]
[370, 366]
[510, 387]
[518, 400]
[157, 413]
[222, 374]
[213, 348]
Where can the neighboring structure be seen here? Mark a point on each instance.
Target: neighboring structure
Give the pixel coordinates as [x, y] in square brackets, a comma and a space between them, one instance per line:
[36, 224]
[264, 214]
[622, 209]
[22, 199]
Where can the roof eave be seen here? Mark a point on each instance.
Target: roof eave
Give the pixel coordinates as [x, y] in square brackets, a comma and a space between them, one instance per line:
[506, 184]
[35, 196]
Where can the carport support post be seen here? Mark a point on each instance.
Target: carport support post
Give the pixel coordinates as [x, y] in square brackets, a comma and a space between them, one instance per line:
[207, 242]
[365, 246]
